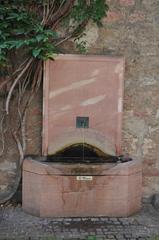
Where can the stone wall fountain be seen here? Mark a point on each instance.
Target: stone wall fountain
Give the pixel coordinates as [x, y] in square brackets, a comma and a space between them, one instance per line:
[82, 173]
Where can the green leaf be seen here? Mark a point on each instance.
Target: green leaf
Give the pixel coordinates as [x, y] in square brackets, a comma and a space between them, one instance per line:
[40, 37]
[20, 26]
[3, 46]
[36, 52]
[19, 43]
[20, 31]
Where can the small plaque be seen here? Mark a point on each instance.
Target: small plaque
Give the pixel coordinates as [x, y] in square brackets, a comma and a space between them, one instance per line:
[84, 178]
[82, 122]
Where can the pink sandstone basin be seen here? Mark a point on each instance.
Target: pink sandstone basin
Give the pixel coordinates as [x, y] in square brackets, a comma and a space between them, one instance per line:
[72, 190]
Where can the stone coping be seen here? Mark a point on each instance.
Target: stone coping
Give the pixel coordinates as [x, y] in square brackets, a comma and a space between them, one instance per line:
[67, 169]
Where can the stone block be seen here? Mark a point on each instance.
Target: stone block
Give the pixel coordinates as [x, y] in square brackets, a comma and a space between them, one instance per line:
[53, 190]
[127, 2]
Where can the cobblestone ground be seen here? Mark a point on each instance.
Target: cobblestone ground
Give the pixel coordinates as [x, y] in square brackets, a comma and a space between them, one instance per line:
[15, 224]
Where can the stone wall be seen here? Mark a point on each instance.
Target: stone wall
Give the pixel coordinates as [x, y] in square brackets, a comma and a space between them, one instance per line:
[131, 30]
[10, 157]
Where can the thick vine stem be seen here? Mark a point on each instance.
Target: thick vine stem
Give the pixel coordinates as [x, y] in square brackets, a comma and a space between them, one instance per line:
[61, 12]
[15, 82]
[2, 135]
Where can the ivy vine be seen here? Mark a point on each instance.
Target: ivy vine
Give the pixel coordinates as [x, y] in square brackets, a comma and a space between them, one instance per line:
[32, 25]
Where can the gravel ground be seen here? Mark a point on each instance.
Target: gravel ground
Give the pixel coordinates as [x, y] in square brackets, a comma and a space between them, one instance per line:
[15, 224]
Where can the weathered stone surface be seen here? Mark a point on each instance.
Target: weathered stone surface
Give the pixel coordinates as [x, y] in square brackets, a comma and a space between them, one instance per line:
[84, 86]
[55, 190]
[91, 35]
[135, 34]
[7, 166]
[127, 2]
[155, 201]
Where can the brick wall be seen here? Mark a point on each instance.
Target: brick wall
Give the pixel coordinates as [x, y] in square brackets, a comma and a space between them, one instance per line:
[130, 29]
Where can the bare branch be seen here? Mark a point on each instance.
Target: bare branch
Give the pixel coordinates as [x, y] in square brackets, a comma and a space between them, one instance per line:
[23, 133]
[20, 148]
[14, 84]
[2, 134]
[60, 13]
[73, 33]
[7, 80]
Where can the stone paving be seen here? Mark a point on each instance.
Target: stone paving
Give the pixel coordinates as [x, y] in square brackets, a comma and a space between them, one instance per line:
[15, 224]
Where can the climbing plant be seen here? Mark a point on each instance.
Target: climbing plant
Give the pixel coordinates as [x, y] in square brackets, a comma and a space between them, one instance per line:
[32, 31]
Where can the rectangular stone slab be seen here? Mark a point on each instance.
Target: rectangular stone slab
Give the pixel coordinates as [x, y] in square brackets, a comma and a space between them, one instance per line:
[83, 86]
